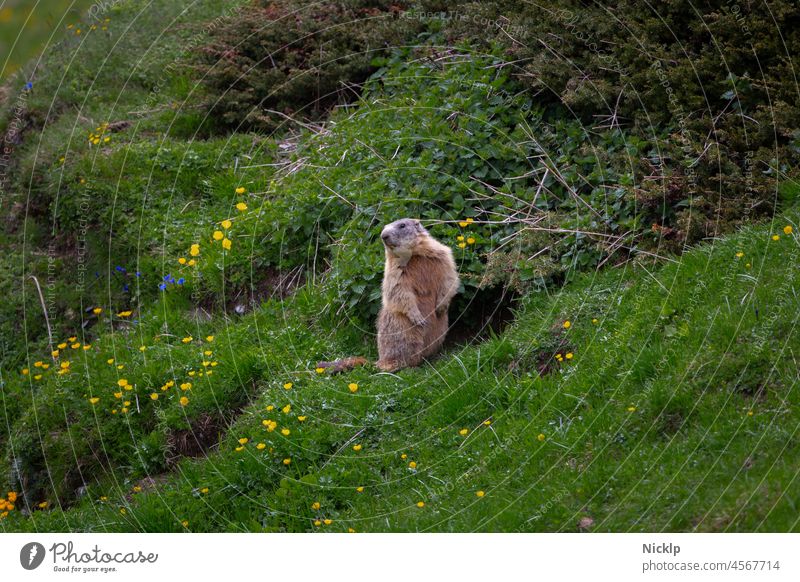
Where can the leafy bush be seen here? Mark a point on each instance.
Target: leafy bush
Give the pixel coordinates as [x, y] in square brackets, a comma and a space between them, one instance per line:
[294, 58]
[710, 81]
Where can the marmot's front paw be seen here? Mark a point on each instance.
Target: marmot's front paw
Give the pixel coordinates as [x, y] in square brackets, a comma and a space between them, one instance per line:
[417, 319]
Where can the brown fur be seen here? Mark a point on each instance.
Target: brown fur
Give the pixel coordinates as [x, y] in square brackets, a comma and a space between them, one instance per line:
[419, 280]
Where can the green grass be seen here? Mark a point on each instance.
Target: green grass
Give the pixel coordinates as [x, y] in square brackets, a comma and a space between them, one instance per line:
[677, 410]
[646, 427]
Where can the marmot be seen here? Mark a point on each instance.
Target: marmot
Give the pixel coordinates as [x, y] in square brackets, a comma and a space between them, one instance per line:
[419, 280]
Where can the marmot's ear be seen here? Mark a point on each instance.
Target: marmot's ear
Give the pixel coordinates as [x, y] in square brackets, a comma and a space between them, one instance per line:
[418, 225]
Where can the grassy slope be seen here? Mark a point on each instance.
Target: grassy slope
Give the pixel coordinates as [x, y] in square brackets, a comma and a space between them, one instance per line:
[692, 357]
[646, 428]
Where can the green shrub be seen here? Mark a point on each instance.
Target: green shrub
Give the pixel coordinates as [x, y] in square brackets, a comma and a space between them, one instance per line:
[295, 58]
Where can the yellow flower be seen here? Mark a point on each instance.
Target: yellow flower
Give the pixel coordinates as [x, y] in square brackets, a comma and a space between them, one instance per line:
[187, 339]
[315, 506]
[125, 313]
[226, 224]
[301, 418]
[360, 489]
[218, 235]
[319, 370]
[463, 224]
[540, 437]
[631, 409]
[45, 366]
[126, 403]
[470, 241]
[209, 338]
[110, 361]
[327, 521]
[420, 504]
[142, 348]
[749, 413]
[261, 446]
[186, 386]
[270, 424]
[462, 245]
[739, 255]
[182, 260]
[97, 310]
[775, 237]
[192, 262]
[64, 365]
[37, 364]
[194, 250]
[136, 489]
[94, 400]
[353, 387]
[87, 347]
[204, 490]
[241, 207]
[207, 353]
[412, 465]
[317, 522]
[595, 320]
[487, 422]
[192, 372]
[569, 355]
[185, 523]
[122, 382]
[270, 408]
[287, 461]
[356, 448]
[25, 371]
[286, 432]
[747, 265]
[243, 440]
[480, 493]
[470, 221]
[463, 432]
[567, 324]
[287, 409]
[787, 229]
[44, 504]
[460, 238]
[37, 377]
[240, 190]
[154, 396]
[404, 456]
[184, 401]
[54, 353]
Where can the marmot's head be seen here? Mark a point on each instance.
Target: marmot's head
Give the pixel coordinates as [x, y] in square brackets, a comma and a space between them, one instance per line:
[400, 236]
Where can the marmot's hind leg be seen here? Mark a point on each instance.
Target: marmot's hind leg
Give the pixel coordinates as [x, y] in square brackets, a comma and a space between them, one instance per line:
[400, 343]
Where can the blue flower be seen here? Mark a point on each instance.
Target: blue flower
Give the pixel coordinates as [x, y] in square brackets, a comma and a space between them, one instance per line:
[138, 274]
[162, 286]
[119, 269]
[181, 281]
[166, 278]
[125, 287]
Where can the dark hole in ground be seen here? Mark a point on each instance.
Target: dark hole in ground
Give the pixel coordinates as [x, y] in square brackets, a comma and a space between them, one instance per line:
[489, 311]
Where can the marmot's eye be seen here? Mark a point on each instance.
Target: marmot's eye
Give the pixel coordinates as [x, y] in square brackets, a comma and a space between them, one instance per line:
[402, 225]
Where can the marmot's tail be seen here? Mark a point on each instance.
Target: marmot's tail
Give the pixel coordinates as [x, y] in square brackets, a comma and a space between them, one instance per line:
[343, 365]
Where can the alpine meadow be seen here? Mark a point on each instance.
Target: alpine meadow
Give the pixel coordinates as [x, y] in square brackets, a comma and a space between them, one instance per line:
[192, 195]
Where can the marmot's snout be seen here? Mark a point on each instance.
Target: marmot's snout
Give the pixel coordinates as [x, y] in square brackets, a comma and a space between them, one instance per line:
[400, 233]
